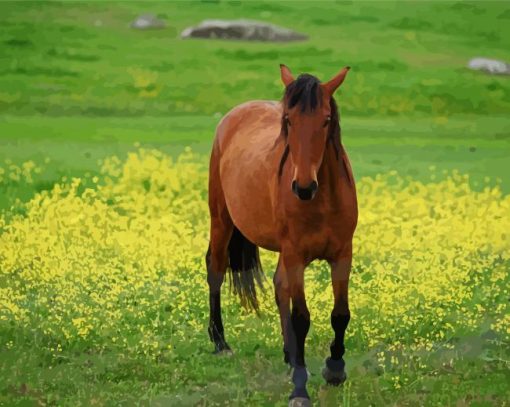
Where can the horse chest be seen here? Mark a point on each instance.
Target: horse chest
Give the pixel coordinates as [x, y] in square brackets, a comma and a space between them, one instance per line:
[319, 235]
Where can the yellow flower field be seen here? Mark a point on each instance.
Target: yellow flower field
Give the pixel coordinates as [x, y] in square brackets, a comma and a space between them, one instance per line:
[117, 262]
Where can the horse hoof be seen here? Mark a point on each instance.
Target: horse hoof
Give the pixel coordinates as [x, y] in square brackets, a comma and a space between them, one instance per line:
[300, 402]
[223, 349]
[334, 378]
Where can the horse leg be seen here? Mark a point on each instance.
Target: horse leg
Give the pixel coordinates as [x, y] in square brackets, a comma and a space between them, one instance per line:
[334, 371]
[281, 287]
[217, 261]
[298, 325]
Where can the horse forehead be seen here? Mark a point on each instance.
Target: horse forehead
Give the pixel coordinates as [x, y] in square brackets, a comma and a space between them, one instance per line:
[309, 116]
[323, 108]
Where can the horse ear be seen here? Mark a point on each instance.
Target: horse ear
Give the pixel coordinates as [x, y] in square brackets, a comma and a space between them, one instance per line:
[287, 77]
[336, 81]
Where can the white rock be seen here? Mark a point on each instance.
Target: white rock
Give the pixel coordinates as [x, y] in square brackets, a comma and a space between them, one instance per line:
[249, 30]
[492, 66]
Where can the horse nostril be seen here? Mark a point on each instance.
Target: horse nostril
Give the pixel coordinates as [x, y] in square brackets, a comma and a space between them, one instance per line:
[307, 193]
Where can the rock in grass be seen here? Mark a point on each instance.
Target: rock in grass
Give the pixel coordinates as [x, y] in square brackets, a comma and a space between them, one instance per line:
[492, 66]
[248, 30]
[147, 22]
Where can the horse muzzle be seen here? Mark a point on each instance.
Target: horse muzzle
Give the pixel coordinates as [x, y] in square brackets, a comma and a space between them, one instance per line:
[307, 193]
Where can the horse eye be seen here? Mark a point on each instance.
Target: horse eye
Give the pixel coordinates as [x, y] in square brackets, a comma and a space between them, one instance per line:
[287, 120]
[328, 119]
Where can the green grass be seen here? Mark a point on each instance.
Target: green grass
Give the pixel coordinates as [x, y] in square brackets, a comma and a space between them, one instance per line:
[477, 376]
[405, 59]
[78, 85]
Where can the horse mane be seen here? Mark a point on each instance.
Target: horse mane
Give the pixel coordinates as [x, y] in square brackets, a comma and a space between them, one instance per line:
[306, 92]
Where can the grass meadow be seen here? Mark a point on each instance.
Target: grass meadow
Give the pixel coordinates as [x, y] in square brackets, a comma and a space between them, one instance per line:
[105, 133]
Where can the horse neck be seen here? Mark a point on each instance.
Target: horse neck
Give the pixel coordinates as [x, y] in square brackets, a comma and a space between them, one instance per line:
[329, 173]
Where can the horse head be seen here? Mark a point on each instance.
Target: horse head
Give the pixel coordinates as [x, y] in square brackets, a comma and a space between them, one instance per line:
[310, 119]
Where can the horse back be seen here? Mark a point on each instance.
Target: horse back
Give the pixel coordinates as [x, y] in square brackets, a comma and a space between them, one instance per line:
[258, 119]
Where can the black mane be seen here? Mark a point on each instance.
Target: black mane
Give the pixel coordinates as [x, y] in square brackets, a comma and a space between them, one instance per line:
[306, 92]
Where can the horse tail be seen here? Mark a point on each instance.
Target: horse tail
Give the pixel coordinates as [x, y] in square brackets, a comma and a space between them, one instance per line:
[246, 270]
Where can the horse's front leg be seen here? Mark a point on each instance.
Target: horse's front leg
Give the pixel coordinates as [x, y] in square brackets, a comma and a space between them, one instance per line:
[334, 371]
[291, 269]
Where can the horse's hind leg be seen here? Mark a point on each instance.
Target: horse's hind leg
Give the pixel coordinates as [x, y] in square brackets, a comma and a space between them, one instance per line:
[216, 260]
[334, 371]
[283, 303]
[217, 257]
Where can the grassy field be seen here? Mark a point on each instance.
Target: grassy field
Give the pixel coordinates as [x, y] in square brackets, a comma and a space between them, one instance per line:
[103, 228]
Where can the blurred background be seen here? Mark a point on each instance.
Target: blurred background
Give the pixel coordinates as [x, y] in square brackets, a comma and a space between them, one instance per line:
[82, 81]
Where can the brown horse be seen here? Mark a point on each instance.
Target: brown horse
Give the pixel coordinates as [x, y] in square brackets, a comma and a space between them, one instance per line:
[280, 179]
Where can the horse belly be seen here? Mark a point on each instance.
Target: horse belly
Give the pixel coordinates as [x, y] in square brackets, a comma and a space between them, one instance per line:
[248, 198]
[248, 168]
[247, 180]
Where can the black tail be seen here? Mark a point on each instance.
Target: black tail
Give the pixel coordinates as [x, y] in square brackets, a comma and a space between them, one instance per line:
[246, 270]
